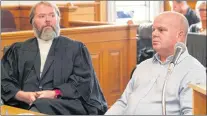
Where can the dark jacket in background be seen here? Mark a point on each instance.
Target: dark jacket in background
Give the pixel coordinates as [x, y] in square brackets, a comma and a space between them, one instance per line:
[191, 17]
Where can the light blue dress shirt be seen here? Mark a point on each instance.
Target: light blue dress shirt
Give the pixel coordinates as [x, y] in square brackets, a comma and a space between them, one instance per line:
[143, 94]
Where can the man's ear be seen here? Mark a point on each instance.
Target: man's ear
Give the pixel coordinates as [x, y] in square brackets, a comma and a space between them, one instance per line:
[180, 36]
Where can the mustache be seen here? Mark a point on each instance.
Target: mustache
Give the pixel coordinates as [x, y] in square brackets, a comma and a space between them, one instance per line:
[47, 26]
[40, 31]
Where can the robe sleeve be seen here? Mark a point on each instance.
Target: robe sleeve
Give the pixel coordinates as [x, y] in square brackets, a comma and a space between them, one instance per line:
[81, 82]
[9, 74]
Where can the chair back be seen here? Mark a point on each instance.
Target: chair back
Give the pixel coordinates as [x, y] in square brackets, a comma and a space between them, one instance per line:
[7, 21]
[196, 44]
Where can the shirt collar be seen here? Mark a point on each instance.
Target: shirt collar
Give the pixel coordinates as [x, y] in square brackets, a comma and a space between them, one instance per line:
[156, 57]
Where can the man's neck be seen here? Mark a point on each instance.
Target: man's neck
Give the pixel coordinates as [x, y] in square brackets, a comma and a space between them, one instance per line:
[163, 59]
[164, 56]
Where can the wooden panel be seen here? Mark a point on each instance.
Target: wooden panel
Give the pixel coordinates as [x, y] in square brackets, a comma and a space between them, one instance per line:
[84, 10]
[199, 103]
[97, 10]
[112, 65]
[97, 60]
[82, 13]
[199, 99]
[17, 20]
[112, 49]
[115, 72]
[25, 24]
[87, 17]
[103, 11]
[25, 13]
[89, 11]
[87, 23]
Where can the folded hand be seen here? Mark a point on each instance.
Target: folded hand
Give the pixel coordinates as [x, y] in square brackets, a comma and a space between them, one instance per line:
[46, 94]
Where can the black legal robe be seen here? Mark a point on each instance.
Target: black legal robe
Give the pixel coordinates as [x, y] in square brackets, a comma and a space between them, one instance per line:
[68, 67]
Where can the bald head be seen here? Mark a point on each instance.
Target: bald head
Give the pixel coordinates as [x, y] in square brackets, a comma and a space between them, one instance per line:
[168, 29]
[176, 20]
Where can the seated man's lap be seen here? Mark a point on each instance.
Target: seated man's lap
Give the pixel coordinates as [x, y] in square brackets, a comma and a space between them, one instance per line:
[60, 106]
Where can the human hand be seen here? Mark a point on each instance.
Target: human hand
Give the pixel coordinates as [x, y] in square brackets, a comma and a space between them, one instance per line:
[27, 97]
[46, 94]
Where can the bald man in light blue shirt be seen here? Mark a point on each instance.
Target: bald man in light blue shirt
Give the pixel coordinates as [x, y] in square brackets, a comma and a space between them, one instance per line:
[143, 94]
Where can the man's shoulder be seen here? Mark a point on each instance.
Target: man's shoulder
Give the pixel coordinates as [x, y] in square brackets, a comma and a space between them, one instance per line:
[146, 62]
[193, 64]
[18, 45]
[69, 41]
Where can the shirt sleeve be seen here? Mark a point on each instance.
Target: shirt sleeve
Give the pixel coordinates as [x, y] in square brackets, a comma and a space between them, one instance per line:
[9, 76]
[195, 76]
[119, 106]
[80, 82]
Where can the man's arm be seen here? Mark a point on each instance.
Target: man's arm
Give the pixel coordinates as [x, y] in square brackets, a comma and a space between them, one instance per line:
[27, 97]
[10, 82]
[119, 106]
[194, 76]
[9, 74]
[81, 82]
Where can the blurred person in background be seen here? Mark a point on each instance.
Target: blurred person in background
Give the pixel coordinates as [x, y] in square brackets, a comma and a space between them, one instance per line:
[201, 12]
[183, 8]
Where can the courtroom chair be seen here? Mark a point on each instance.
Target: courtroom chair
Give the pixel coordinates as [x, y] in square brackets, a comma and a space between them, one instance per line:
[7, 21]
[196, 44]
[144, 42]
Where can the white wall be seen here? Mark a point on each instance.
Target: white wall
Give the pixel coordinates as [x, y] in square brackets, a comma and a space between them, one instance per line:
[9, 3]
[156, 7]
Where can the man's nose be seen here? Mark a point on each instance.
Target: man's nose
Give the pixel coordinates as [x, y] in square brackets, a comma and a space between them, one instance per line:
[154, 33]
[48, 18]
[47, 21]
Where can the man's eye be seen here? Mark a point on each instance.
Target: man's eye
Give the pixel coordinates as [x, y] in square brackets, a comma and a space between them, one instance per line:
[161, 30]
[41, 16]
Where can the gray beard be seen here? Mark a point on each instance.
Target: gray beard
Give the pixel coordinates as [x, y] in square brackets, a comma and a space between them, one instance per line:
[47, 34]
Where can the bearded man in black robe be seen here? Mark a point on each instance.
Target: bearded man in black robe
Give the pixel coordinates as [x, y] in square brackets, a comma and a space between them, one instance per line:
[49, 73]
